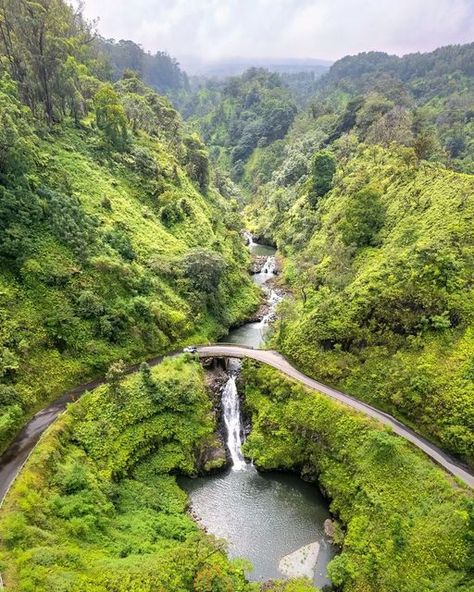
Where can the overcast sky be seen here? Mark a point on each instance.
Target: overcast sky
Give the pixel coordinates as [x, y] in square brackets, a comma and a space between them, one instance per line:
[326, 29]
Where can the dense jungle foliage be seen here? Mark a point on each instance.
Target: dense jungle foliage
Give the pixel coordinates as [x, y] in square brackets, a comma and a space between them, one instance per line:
[120, 239]
[381, 269]
[238, 115]
[403, 525]
[98, 508]
[159, 71]
[114, 242]
[374, 216]
[430, 95]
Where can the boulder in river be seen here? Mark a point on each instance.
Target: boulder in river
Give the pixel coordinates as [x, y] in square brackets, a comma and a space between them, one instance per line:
[257, 264]
[329, 528]
[334, 532]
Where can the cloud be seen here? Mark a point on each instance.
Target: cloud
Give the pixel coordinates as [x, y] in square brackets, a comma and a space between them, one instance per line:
[285, 28]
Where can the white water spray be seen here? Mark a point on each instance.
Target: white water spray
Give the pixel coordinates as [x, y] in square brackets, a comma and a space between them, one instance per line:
[273, 299]
[273, 296]
[250, 242]
[269, 266]
[266, 273]
[231, 407]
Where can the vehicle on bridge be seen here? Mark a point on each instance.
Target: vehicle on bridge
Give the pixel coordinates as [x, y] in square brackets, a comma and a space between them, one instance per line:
[190, 349]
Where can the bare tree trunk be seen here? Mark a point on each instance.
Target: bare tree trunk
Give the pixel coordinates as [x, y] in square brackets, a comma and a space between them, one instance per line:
[17, 70]
[45, 79]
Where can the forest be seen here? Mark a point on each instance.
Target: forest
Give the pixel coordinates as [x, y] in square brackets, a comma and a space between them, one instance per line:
[127, 189]
[113, 241]
[373, 213]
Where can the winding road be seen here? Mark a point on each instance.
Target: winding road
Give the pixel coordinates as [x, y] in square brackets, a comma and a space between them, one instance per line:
[276, 360]
[13, 459]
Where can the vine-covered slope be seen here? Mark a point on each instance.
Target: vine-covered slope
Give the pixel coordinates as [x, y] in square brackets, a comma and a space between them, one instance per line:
[114, 242]
[402, 524]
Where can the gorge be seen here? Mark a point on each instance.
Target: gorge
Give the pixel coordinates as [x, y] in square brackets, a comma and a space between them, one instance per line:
[236, 313]
[264, 517]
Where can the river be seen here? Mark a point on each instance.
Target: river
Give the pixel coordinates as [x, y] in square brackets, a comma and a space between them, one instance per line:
[274, 520]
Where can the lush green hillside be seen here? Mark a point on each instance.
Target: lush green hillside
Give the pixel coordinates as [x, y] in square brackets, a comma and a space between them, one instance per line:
[378, 237]
[240, 114]
[114, 242]
[103, 256]
[381, 270]
[97, 508]
[421, 100]
[159, 71]
[403, 527]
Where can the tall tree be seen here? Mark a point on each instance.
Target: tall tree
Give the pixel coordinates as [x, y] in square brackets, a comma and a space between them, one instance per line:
[37, 38]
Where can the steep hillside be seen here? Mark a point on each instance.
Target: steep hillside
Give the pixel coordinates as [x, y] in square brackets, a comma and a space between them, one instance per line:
[381, 269]
[420, 100]
[159, 71]
[239, 114]
[377, 228]
[114, 242]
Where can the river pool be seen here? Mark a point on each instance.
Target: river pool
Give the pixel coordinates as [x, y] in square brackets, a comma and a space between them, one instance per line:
[274, 520]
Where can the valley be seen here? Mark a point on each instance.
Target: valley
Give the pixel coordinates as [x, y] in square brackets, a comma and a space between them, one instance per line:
[236, 315]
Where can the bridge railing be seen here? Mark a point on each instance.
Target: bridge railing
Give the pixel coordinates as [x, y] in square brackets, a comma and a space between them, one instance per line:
[228, 344]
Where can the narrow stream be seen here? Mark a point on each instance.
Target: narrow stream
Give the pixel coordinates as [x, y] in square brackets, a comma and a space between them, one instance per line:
[274, 520]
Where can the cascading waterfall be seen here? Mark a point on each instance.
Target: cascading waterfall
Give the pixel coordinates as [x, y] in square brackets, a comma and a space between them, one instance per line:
[249, 238]
[269, 267]
[232, 503]
[273, 299]
[230, 397]
[231, 408]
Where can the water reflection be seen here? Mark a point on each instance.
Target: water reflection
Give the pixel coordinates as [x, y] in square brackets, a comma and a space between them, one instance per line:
[263, 517]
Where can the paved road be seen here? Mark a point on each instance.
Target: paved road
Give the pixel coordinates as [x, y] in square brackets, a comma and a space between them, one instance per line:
[274, 359]
[16, 455]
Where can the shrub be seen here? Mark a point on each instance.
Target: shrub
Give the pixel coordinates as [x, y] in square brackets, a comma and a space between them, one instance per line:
[323, 170]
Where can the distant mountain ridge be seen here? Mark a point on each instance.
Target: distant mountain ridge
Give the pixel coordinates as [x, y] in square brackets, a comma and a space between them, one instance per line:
[443, 71]
[236, 66]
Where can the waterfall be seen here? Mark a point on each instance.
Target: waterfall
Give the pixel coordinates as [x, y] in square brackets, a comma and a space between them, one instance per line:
[269, 266]
[267, 272]
[273, 296]
[273, 299]
[231, 407]
[256, 332]
[249, 239]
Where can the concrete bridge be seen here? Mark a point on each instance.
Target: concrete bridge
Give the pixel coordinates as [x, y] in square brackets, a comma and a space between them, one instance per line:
[13, 459]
